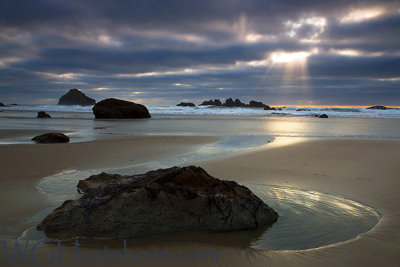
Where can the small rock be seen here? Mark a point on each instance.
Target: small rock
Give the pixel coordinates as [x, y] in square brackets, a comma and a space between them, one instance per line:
[48, 138]
[323, 116]
[42, 114]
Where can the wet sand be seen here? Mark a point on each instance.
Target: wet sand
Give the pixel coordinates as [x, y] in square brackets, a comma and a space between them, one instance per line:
[24, 165]
[363, 170]
[367, 171]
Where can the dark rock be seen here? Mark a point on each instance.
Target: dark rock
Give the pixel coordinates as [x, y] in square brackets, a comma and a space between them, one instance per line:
[215, 102]
[76, 97]
[112, 108]
[239, 103]
[42, 114]
[268, 108]
[14, 104]
[323, 116]
[51, 138]
[256, 104]
[235, 103]
[378, 107]
[229, 103]
[186, 104]
[161, 201]
[2, 105]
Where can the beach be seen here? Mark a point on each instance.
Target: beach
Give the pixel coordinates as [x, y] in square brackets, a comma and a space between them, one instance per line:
[361, 169]
[203, 133]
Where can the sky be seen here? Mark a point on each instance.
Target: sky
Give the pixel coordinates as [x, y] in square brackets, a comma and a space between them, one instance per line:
[159, 52]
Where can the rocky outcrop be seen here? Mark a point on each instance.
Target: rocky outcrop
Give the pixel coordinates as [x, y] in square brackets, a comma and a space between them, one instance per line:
[323, 116]
[269, 108]
[43, 115]
[230, 103]
[215, 102]
[235, 103]
[112, 108]
[76, 97]
[378, 107]
[186, 104]
[161, 201]
[51, 138]
[256, 104]
[2, 105]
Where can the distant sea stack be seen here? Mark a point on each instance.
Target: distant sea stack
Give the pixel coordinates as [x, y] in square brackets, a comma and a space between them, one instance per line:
[76, 97]
[186, 104]
[378, 107]
[211, 102]
[112, 108]
[234, 103]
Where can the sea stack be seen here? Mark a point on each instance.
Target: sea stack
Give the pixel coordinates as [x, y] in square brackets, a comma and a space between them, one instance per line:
[378, 107]
[112, 108]
[186, 104]
[157, 202]
[76, 97]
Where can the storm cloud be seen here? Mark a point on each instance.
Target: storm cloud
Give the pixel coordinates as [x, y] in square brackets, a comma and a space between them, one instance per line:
[163, 52]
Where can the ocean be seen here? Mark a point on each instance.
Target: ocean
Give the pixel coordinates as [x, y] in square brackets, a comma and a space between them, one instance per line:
[291, 111]
[78, 122]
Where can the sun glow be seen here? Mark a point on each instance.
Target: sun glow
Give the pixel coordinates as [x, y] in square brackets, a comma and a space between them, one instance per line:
[289, 57]
[295, 70]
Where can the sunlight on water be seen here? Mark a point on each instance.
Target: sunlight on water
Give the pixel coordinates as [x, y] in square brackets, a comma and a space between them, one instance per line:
[310, 219]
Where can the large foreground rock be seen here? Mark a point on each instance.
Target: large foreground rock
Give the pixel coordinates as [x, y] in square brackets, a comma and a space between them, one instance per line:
[162, 201]
[112, 108]
[76, 97]
[51, 138]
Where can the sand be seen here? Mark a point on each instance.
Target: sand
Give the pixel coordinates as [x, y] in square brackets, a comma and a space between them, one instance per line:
[367, 171]
[24, 165]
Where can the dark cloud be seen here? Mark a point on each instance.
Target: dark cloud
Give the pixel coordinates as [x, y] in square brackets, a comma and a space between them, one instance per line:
[49, 46]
